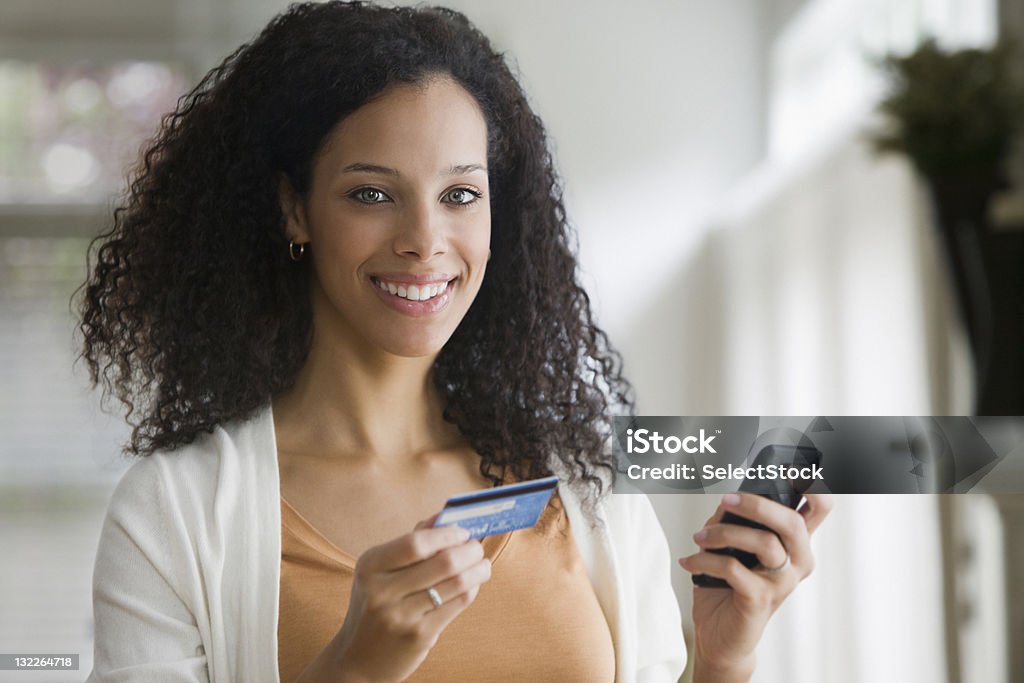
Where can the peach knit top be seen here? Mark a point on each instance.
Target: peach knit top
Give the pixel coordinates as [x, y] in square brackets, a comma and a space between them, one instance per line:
[537, 619]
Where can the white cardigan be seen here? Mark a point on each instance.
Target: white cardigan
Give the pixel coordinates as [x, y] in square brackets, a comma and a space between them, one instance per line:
[187, 574]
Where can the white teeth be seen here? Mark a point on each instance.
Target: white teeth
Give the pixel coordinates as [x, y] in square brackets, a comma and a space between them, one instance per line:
[414, 292]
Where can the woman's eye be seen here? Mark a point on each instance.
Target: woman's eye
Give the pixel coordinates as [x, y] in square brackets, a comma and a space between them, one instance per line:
[461, 196]
[369, 195]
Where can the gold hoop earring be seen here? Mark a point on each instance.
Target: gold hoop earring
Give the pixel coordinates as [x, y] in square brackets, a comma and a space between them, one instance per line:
[296, 255]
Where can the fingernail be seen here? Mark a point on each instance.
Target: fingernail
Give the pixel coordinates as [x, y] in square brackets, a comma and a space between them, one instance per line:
[700, 536]
[463, 534]
[731, 499]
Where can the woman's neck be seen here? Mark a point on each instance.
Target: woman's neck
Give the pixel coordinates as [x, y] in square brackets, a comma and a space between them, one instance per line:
[350, 402]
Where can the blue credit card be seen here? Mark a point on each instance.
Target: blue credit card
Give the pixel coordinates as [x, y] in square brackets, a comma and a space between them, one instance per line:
[497, 510]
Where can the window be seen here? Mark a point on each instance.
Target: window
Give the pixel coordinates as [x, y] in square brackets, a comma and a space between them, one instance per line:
[68, 131]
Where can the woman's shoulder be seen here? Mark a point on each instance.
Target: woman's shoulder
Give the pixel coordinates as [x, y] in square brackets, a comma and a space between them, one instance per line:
[198, 470]
[621, 513]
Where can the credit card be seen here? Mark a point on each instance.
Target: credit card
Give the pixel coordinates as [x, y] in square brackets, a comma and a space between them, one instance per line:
[497, 510]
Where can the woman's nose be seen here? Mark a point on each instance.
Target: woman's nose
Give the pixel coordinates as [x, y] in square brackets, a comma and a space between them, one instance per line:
[421, 234]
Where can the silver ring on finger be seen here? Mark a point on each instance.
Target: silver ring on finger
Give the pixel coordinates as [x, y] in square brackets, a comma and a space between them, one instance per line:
[776, 570]
[435, 597]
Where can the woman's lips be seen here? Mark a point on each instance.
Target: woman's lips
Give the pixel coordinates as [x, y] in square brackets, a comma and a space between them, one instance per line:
[439, 301]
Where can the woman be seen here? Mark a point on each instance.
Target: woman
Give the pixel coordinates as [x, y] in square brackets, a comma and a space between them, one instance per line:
[293, 304]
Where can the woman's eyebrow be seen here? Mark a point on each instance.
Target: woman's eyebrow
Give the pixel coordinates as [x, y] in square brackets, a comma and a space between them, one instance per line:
[458, 169]
[360, 167]
[465, 169]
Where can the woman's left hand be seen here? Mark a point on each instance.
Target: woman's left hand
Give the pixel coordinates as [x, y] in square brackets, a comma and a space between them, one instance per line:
[729, 623]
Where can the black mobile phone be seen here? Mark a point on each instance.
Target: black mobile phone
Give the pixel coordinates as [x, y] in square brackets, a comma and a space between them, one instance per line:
[788, 492]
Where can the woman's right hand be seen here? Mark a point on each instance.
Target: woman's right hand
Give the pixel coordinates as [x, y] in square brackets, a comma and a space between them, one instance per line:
[391, 622]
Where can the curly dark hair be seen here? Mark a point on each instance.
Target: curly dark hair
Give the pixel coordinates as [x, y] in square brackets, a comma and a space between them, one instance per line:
[193, 315]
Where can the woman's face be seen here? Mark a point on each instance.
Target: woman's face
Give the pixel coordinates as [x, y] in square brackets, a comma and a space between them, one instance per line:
[398, 219]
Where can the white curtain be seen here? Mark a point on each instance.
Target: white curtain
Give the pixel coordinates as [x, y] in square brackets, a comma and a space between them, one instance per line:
[821, 289]
[837, 304]
[830, 298]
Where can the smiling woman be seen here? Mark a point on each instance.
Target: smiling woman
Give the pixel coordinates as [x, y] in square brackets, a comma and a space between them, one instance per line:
[340, 291]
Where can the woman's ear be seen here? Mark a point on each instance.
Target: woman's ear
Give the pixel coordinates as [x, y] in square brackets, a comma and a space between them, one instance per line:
[293, 210]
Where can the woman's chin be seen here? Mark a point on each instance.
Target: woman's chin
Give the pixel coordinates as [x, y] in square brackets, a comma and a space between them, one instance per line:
[414, 346]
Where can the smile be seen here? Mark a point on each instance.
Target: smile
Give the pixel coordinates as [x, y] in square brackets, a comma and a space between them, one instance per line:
[411, 292]
[415, 295]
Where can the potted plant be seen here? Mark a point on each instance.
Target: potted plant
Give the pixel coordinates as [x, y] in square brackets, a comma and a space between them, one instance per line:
[956, 116]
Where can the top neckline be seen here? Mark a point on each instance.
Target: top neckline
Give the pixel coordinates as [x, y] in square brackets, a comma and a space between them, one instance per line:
[304, 530]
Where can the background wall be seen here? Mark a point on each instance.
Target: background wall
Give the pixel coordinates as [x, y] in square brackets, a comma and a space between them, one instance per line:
[736, 274]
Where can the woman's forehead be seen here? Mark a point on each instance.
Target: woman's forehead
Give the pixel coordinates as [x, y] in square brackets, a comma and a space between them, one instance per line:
[430, 127]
